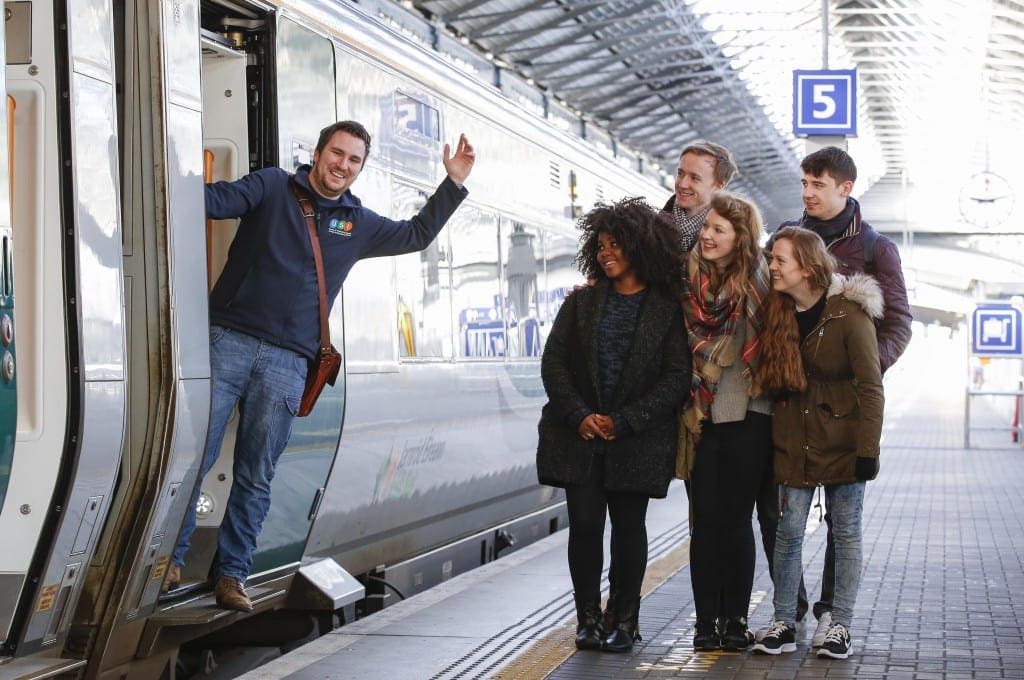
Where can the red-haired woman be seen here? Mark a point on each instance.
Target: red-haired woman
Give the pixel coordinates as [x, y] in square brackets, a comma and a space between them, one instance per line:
[820, 360]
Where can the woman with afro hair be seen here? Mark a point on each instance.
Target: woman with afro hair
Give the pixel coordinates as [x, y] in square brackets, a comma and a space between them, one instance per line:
[616, 369]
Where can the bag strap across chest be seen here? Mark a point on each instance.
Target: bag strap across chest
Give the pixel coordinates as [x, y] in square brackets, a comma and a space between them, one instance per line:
[306, 206]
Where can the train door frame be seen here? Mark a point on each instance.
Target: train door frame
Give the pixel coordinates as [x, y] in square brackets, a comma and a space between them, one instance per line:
[298, 110]
[238, 71]
[92, 419]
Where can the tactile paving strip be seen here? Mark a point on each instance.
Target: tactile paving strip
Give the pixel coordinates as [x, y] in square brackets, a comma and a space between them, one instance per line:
[539, 657]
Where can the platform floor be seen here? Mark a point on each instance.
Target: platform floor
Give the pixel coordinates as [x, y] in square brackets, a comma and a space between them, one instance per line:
[942, 594]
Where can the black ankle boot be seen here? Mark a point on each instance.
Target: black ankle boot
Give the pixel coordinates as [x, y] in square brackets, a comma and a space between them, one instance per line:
[736, 637]
[705, 636]
[608, 618]
[589, 633]
[626, 630]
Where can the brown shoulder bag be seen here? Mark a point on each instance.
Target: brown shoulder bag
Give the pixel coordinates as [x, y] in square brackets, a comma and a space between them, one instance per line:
[325, 366]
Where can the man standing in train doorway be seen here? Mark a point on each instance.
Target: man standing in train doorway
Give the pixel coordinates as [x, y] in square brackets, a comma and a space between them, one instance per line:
[832, 213]
[704, 168]
[264, 318]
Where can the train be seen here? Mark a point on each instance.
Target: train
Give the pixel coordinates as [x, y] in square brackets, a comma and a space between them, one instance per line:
[416, 466]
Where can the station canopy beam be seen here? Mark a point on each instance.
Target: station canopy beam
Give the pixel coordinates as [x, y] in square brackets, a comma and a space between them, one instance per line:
[656, 74]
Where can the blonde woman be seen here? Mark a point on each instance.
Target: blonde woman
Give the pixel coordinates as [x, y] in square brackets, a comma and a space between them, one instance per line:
[730, 426]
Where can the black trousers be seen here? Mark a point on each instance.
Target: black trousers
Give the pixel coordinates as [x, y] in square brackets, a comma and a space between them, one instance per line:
[730, 466]
[768, 519]
[589, 505]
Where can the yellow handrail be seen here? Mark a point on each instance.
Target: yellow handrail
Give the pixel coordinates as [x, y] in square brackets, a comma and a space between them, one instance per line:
[208, 159]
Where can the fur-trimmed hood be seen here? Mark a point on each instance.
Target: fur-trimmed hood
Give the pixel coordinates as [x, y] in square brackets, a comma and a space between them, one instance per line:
[862, 289]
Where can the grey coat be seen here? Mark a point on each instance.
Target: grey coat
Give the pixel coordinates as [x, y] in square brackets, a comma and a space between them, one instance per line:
[654, 382]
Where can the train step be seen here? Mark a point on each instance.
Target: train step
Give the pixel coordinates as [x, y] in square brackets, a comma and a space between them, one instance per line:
[185, 617]
[35, 668]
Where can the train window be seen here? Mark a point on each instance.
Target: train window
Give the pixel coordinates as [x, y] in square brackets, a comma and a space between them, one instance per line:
[370, 301]
[476, 293]
[523, 269]
[424, 289]
[416, 118]
[306, 93]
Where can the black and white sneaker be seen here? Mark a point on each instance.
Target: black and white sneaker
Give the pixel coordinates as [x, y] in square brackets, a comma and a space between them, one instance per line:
[801, 627]
[780, 637]
[837, 643]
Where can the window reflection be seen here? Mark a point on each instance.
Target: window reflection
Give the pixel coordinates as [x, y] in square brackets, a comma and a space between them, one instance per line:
[562, 275]
[413, 117]
[524, 271]
[424, 289]
[476, 294]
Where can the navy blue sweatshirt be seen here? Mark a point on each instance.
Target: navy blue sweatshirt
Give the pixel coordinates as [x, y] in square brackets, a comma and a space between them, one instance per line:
[268, 286]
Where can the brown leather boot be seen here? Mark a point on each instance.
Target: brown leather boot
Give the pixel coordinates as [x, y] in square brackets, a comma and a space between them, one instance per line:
[172, 579]
[231, 595]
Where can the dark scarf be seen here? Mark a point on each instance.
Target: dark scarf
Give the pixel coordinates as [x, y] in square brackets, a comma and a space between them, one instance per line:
[689, 226]
[830, 230]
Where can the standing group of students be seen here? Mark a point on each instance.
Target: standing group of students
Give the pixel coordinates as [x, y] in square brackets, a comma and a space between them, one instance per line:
[754, 374]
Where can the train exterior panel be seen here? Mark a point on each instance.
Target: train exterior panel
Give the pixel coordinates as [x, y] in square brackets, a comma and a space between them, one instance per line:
[416, 465]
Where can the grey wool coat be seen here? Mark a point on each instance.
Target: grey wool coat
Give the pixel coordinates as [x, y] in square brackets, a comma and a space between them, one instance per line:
[654, 382]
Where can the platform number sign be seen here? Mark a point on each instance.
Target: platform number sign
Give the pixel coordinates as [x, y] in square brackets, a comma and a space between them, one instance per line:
[996, 330]
[825, 102]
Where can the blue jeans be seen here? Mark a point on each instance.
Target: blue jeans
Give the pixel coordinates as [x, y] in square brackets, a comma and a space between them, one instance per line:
[266, 381]
[845, 504]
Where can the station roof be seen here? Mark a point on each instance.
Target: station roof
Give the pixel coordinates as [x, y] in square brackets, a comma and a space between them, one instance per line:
[941, 84]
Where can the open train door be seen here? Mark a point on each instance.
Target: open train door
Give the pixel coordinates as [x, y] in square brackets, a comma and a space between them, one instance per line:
[306, 102]
[71, 347]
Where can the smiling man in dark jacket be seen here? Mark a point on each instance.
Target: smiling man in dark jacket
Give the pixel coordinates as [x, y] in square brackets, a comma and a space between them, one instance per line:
[264, 317]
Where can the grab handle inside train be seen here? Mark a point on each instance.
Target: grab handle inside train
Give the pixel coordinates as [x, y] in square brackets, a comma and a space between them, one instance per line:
[208, 159]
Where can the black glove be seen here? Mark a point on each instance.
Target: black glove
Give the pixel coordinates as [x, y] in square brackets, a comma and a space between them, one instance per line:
[866, 469]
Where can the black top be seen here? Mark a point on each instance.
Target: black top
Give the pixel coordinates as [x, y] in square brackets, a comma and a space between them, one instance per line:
[808, 319]
[614, 339]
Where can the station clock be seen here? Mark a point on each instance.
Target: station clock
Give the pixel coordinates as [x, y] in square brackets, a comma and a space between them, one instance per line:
[986, 200]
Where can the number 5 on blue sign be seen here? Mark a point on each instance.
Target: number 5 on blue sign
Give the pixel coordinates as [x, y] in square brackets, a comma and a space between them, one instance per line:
[823, 96]
[825, 102]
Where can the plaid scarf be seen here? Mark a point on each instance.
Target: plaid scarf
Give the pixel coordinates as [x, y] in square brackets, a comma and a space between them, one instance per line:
[715, 322]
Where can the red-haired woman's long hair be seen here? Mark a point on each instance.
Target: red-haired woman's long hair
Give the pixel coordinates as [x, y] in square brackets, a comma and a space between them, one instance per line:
[782, 369]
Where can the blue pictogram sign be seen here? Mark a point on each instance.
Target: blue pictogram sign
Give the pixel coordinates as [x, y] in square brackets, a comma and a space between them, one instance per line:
[996, 330]
[825, 102]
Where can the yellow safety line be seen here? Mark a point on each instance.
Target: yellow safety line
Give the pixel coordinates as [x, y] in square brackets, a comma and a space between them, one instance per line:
[548, 653]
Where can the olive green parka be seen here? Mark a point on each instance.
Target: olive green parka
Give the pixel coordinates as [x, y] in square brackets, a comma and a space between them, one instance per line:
[818, 434]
